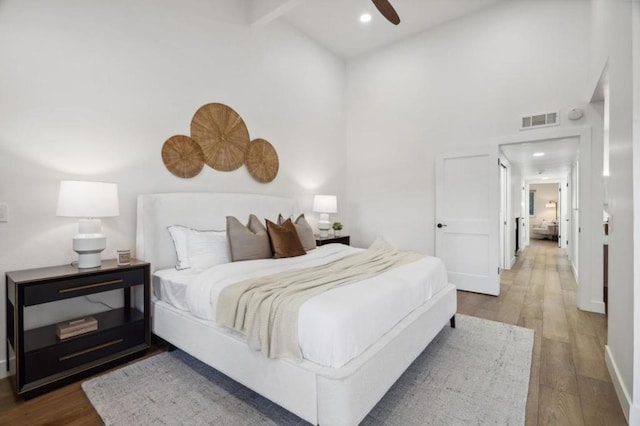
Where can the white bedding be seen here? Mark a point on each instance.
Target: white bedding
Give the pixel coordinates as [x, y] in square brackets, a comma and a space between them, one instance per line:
[170, 285]
[339, 324]
[320, 395]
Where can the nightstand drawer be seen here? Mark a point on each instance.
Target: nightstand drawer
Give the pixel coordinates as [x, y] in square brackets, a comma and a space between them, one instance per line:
[64, 289]
[321, 241]
[82, 350]
[40, 360]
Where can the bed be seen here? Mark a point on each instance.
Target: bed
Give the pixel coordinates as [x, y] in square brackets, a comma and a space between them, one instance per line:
[322, 388]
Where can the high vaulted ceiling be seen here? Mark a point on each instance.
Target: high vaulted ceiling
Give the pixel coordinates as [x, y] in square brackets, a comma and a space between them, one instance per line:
[335, 24]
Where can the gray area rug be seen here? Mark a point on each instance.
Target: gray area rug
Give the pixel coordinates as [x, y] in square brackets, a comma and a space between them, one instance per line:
[475, 374]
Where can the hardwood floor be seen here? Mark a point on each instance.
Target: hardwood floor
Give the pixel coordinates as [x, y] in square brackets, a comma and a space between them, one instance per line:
[569, 380]
[65, 406]
[570, 384]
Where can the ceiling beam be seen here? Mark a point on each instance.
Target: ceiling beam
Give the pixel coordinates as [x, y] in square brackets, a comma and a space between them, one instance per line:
[261, 12]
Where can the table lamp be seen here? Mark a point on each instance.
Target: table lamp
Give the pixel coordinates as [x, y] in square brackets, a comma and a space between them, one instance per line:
[88, 201]
[325, 204]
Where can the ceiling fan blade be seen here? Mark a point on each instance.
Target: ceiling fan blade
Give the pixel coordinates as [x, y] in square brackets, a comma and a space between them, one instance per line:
[387, 11]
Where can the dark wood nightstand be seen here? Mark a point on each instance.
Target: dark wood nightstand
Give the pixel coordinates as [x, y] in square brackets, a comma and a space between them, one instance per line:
[40, 361]
[345, 239]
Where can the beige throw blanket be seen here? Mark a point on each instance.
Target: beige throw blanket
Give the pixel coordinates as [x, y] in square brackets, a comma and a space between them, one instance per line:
[265, 309]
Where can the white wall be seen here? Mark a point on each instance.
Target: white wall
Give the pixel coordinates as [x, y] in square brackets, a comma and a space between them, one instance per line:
[564, 212]
[456, 86]
[522, 211]
[91, 90]
[611, 41]
[635, 409]
[574, 215]
[544, 193]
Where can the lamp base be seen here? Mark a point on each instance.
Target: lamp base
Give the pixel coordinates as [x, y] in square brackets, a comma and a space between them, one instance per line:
[89, 244]
[89, 260]
[324, 225]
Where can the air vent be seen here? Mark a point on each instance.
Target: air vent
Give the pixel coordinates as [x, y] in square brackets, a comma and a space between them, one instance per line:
[539, 120]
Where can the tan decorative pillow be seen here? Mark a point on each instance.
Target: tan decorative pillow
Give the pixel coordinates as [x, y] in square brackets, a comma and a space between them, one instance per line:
[248, 242]
[304, 230]
[284, 240]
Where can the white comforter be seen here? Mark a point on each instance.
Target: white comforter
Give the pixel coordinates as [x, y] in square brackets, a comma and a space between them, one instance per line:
[340, 324]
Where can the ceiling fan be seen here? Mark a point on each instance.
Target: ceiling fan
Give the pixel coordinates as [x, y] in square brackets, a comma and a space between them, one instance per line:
[387, 11]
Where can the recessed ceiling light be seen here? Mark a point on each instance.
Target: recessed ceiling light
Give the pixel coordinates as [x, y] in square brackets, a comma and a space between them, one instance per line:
[365, 17]
[538, 154]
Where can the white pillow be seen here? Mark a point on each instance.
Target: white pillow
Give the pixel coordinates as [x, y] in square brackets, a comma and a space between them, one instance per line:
[380, 244]
[199, 249]
[207, 248]
[179, 237]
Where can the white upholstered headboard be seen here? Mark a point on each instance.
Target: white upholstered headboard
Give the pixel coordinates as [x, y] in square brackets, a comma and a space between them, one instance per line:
[197, 210]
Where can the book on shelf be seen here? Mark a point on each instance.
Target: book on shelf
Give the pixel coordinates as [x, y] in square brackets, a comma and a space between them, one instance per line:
[75, 327]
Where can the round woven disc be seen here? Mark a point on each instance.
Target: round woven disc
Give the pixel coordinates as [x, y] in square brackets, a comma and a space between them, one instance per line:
[262, 162]
[182, 156]
[222, 135]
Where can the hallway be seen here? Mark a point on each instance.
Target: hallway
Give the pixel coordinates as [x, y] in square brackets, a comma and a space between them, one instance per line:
[570, 384]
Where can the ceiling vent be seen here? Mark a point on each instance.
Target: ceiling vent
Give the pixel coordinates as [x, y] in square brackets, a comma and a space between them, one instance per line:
[539, 120]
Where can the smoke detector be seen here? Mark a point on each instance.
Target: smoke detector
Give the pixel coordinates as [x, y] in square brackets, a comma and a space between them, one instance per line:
[575, 114]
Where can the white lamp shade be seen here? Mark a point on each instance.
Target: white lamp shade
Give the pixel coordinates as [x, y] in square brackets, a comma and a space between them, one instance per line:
[325, 204]
[87, 199]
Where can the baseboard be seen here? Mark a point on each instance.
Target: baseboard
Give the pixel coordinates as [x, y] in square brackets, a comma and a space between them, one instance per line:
[618, 384]
[3, 369]
[513, 262]
[634, 414]
[575, 271]
[594, 306]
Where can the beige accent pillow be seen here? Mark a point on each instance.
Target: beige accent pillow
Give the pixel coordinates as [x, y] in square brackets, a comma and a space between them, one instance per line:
[248, 242]
[284, 240]
[304, 230]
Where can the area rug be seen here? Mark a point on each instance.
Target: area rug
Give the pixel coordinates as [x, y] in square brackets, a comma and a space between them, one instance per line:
[477, 373]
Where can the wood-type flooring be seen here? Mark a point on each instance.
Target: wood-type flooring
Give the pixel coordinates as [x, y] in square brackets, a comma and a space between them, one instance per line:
[570, 384]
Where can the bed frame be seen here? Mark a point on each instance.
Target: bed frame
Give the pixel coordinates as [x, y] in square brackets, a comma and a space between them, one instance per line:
[320, 395]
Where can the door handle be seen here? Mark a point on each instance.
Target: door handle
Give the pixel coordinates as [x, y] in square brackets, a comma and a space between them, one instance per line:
[440, 225]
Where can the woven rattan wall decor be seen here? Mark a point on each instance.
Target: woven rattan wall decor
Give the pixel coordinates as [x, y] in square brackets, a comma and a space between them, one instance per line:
[222, 135]
[219, 139]
[182, 156]
[261, 160]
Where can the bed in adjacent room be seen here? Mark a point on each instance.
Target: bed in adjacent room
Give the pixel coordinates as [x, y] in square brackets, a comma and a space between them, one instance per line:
[350, 342]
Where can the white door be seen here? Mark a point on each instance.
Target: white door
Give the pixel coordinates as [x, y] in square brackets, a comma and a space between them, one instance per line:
[565, 232]
[467, 220]
[504, 228]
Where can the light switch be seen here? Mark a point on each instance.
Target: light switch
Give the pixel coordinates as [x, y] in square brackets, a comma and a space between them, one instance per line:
[4, 214]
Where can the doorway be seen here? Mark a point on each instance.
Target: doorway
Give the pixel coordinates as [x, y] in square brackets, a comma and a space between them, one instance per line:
[541, 171]
[583, 187]
[544, 205]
